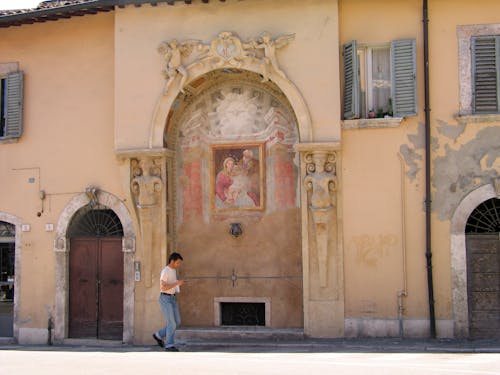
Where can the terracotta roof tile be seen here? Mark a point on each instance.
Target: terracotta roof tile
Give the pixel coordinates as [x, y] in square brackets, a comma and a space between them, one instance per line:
[45, 5]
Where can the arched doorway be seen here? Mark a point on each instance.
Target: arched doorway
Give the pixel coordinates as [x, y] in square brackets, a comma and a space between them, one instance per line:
[234, 209]
[62, 252]
[95, 274]
[483, 269]
[7, 277]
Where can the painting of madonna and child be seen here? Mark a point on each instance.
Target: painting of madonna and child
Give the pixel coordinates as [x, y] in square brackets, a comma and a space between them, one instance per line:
[238, 176]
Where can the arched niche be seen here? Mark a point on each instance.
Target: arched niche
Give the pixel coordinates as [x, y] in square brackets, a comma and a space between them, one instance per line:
[224, 114]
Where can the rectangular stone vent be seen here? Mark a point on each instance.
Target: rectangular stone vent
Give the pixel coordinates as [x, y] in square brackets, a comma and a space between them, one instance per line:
[243, 314]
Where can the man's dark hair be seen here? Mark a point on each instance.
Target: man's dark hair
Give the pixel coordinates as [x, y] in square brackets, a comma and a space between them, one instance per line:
[174, 257]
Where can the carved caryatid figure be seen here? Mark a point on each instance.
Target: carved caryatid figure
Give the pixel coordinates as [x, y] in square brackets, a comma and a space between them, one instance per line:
[146, 183]
[321, 184]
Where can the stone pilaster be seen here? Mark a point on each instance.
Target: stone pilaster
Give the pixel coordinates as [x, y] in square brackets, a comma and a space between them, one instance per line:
[322, 252]
[147, 188]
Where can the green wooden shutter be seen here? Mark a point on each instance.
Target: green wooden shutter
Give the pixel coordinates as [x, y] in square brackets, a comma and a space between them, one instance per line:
[404, 74]
[352, 87]
[485, 67]
[14, 105]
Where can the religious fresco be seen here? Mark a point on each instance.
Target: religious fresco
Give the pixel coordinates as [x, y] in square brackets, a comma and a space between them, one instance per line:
[236, 152]
[238, 176]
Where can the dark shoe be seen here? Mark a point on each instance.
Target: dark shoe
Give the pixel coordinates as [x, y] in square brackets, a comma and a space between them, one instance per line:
[171, 349]
[158, 340]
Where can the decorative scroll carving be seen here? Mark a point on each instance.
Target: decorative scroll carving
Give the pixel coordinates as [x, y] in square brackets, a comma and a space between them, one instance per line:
[91, 193]
[321, 184]
[128, 244]
[227, 50]
[60, 243]
[496, 185]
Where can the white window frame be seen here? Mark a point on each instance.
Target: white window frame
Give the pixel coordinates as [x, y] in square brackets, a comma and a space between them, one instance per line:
[465, 34]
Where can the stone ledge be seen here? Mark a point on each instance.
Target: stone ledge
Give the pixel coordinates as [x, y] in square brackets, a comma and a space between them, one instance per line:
[372, 123]
[379, 327]
[8, 141]
[478, 118]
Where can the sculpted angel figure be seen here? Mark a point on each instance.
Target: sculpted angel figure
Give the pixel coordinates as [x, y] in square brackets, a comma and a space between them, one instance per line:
[269, 46]
[173, 52]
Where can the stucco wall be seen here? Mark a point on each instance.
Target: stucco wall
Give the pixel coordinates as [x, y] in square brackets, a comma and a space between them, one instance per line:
[466, 151]
[67, 141]
[464, 157]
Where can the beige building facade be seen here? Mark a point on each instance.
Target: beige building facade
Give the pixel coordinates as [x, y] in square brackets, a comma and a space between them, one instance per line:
[279, 146]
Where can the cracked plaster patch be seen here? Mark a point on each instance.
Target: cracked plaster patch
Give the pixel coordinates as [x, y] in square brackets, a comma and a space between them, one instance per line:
[460, 171]
[409, 152]
[450, 131]
[410, 157]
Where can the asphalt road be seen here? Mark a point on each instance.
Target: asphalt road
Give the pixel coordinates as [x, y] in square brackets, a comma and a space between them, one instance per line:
[121, 362]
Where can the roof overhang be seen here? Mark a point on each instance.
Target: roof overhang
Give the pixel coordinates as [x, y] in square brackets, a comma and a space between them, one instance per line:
[30, 16]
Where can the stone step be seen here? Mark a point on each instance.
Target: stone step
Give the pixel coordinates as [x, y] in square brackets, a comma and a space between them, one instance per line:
[7, 340]
[237, 333]
[92, 342]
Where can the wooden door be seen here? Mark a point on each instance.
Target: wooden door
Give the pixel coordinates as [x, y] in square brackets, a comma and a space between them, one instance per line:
[110, 301]
[483, 285]
[96, 288]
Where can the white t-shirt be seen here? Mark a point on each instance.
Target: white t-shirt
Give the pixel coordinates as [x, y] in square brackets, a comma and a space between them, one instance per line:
[169, 275]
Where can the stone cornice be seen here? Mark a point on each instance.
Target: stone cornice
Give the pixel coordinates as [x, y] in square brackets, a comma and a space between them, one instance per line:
[317, 146]
[143, 152]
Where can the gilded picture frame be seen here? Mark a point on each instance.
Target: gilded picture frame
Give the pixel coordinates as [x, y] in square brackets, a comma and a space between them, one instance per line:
[237, 176]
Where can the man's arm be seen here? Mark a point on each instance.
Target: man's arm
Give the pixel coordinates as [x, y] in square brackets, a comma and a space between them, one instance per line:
[165, 286]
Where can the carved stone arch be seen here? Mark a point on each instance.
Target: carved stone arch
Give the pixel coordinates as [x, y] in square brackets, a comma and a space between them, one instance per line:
[458, 256]
[221, 79]
[11, 219]
[196, 70]
[61, 248]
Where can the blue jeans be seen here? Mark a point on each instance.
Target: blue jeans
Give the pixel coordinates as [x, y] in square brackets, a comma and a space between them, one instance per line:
[170, 310]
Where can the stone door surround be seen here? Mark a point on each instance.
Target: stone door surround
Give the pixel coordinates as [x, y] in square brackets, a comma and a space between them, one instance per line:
[61, 249]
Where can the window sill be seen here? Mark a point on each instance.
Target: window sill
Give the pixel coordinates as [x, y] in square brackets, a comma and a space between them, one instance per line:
[8, 140]
[372, 123]
[476, 118]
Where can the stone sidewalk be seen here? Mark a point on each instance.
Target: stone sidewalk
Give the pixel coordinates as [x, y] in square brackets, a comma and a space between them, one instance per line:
[372, 345]
[366, 345]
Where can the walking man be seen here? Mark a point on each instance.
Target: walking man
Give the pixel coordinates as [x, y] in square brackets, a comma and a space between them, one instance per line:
[169, 287]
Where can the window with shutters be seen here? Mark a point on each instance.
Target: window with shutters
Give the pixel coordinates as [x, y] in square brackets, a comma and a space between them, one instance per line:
[11, 104]
[479, 73]
[485, 74]
[380, 80]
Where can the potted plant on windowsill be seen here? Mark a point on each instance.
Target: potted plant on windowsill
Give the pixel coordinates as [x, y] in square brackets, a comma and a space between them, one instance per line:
[371, 113]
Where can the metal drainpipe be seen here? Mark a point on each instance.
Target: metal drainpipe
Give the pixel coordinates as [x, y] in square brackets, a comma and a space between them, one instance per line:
[404, 291]
[428, 252]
